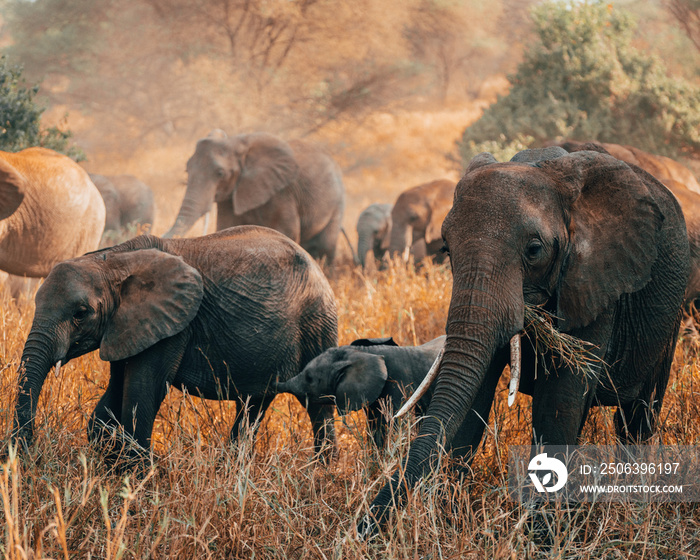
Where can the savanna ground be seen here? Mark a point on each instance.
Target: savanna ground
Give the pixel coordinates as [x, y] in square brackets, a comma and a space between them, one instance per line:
[273, 498]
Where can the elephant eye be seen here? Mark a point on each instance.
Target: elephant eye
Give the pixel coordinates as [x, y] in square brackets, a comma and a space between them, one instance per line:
[81, 313]
[534, 249]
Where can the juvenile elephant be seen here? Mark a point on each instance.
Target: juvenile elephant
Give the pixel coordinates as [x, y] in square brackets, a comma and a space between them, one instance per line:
[374, 374]
[373, 229]
[260, 179]
[222, 316]
[49, 211]
[128, 203]
[416, 219]
[600, 245]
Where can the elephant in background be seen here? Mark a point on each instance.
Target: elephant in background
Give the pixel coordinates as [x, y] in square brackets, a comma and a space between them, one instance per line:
[372, 374]
[259, 179]
[221, 316]
[600, 245]
[373, 229]
[661, 167]
[416, 219]
[128, 203]
[50, 211]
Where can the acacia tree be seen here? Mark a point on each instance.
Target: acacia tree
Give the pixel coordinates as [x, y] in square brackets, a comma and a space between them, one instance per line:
[583, 79]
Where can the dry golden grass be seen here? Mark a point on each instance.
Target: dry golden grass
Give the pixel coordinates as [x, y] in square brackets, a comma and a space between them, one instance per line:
[206, 499]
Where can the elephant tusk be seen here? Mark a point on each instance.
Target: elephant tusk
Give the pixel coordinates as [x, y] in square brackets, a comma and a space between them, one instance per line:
[515, 359]
[58, 368]
[406, 254]
[423, 387]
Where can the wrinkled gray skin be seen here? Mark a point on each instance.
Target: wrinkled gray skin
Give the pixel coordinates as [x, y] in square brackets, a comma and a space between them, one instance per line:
[222, 316]
[602, 246]
[373, 230]
[128, 202]
[688, 198]
[294, 188]
[370, 375]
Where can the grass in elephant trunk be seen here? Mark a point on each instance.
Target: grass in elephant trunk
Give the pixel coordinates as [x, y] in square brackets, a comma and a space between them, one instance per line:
[274, 500]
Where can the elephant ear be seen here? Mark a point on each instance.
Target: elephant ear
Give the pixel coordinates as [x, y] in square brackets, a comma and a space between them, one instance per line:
[614, 225]
[268, 168]
[360, 381]
[159, 294]
[11, 189]
[386, 341]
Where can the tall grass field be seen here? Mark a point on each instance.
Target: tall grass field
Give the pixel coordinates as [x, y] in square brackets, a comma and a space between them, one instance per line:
[270, 497]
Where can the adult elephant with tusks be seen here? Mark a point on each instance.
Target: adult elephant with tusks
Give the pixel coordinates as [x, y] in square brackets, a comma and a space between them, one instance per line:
[598, 244]
[221, 316]
[259, 179]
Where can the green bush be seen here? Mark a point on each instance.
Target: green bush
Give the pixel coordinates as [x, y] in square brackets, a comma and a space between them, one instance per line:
[583, 80]
[20, 117]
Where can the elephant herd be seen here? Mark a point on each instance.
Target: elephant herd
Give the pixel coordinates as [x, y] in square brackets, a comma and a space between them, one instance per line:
[609, 249]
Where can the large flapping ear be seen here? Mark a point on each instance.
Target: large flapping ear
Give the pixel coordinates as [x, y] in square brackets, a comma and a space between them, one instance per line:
[360, 381]
[269, 167]
[11, 189]
[614, 224]
[386, 341]
[159, 294]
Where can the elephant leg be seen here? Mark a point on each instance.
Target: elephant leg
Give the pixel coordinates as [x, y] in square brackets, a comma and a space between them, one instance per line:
[252, 411]
[469, 435]
[376, 425]
[324, 243]
[321, 416]
[635, 421]
[105, 421]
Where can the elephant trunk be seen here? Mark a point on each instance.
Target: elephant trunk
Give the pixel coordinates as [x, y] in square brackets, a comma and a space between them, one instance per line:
[401, 241]
[363, 246]
[483, 318]
[196, 203]
[39, 355]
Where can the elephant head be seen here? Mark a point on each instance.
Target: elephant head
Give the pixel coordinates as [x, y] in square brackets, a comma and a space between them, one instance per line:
[574, 234]
[349, 378]
[11, 190]
[418, 214]
[373, 230]
[246, 170]
[121, 300]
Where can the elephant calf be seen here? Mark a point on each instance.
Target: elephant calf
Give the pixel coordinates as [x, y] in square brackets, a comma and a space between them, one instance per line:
[369, 374]
[221, 316]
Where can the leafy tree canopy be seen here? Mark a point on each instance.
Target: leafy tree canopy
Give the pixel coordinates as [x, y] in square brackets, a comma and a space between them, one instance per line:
[584, 80]
[20, 117]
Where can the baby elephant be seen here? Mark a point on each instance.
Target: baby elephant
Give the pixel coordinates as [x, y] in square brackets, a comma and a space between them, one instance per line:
[363, 375]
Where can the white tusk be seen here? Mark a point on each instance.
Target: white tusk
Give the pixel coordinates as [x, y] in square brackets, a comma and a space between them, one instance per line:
[58, 368]
[423, 387]
[406, 254]
[515, 359]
